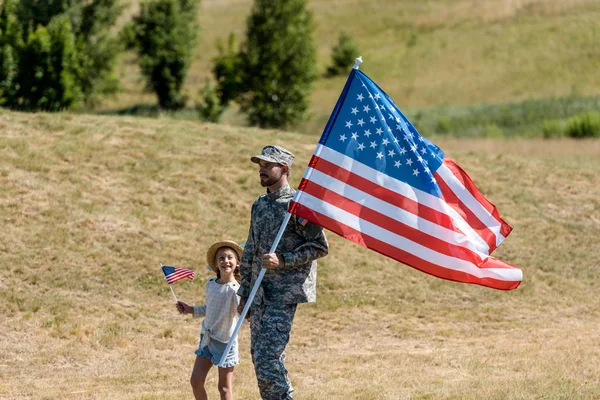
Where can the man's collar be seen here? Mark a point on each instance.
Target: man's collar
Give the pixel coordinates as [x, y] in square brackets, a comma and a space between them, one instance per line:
[279, 192]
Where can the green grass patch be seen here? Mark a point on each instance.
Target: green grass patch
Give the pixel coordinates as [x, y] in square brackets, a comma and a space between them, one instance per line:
[530, 118]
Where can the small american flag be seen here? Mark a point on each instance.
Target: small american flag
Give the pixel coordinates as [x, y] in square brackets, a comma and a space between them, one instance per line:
[374, 180]
[173, 274]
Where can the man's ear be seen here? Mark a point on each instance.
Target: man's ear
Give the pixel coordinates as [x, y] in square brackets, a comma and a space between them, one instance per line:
[286, 169]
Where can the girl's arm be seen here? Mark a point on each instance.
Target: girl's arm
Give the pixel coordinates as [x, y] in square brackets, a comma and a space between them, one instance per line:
[198, 311]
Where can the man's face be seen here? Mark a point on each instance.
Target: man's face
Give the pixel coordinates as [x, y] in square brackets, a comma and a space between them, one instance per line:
[270, 173]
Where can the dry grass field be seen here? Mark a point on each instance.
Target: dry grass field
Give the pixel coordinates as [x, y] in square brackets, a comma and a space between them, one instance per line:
[91, 205]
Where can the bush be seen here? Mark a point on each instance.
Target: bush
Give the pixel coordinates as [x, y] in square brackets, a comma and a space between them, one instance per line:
[343, 55]
[55, 53]
[49, 69]
[584, 126]
[210, 109]
[10, 43]
[164, 34]
[552, 128]
[278, 63]
[228, 72]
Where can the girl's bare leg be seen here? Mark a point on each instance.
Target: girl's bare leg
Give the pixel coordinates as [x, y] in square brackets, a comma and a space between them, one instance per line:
[226, 383]
[201, 368]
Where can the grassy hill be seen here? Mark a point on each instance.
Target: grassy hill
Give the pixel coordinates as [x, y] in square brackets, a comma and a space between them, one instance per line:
[422, 53]
[91, 205]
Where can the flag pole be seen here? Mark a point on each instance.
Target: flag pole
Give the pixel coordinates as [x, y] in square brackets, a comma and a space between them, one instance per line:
[170, 287]
[175, 297]
[254, 290]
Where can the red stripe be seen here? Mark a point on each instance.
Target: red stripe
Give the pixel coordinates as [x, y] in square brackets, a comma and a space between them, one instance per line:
[383, 194]
[390, 224]
[401, 255]
[465, 212]
[176, 276]
[468, 183]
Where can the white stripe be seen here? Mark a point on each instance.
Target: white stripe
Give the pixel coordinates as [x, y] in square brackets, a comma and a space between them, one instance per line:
[471, 202]
[176, 275]
[402, 243]
[392, 211]
[403, 189]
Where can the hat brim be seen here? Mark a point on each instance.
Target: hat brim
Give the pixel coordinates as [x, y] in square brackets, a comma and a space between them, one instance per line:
[256, 159]
[212, 251]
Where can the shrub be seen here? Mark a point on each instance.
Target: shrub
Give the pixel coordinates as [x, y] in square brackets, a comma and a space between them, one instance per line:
[552, 128]
[584, 126]
[228, 72]
[343, 55]
[10, 43]
[210, 109]
[164, 34]
[49, 68]
[278, 63]
[55, 53]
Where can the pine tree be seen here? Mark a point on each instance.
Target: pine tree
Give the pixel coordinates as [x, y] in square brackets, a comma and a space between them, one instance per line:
[278, 63]
[163, 35]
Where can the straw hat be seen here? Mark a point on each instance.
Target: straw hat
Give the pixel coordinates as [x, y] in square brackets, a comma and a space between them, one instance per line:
[212, 251]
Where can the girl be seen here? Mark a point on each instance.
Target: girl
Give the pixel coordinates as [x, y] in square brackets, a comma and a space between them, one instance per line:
[220, 318]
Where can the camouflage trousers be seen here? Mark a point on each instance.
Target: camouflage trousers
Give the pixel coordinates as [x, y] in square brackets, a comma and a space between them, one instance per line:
[270, 333]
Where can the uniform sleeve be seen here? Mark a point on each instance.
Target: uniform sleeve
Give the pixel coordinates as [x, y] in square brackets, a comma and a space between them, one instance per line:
[314, 247]
[247, 261]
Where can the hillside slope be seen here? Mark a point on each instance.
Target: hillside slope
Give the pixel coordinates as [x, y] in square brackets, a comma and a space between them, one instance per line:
[91, 205]
[424, 53]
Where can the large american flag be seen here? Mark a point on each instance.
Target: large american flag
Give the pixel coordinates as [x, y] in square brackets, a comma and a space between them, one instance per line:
[376, 181]
[173, 274]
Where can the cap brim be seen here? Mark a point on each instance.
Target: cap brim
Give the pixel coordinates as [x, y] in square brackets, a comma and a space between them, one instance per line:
[256, 159]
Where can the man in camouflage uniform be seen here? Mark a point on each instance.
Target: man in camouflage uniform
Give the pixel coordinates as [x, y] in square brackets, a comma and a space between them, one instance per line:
[291, 272]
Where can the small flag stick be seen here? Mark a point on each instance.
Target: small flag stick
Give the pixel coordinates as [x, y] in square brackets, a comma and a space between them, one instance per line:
[170, 287]
[175, 297]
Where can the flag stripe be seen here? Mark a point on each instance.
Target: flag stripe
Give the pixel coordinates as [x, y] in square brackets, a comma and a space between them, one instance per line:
[465, 212]
[178, 276]
[402, 243]
[449, 244]
[462, 200]
[464, 187]
[343, 176]
[505, 278]
[384, 181]
[384, 201]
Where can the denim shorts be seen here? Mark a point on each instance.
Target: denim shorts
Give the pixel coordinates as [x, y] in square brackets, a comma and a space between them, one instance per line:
[214, 352]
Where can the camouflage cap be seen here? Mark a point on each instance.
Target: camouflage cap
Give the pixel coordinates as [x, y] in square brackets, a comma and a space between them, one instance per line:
[275, 154]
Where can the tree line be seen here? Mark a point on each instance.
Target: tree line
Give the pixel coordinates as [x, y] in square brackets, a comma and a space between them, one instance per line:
[55, 55]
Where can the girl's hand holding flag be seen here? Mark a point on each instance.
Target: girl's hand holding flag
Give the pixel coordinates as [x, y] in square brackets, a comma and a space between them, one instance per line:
[184, 308]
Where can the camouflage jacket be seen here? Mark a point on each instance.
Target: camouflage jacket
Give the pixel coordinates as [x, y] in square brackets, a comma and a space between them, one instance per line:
[300, 246]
